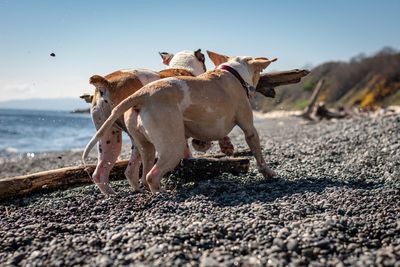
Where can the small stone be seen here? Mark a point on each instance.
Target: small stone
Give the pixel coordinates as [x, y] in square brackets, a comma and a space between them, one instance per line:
[93, 242]
[17, 258]
[103, 261]
[34, 254]
[116, 237]
[274, 249]
[325, 244]
[308, 252]
[321, 231]
[206, 261]
[278, 242]
[292, 245]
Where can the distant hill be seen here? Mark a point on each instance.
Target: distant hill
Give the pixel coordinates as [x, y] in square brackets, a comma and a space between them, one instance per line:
[46, 104]
[367, 82]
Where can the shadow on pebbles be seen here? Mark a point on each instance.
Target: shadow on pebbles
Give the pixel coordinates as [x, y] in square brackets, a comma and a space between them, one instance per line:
[336, 202]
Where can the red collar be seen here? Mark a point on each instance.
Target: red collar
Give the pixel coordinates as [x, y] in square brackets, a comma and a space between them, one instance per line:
[245, 85]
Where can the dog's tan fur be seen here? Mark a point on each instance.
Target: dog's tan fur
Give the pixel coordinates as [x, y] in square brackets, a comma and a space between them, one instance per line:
[164, 113]
[110, 91]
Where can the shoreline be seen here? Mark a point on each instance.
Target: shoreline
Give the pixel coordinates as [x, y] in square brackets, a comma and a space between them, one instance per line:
[10, 164]
[28, 163]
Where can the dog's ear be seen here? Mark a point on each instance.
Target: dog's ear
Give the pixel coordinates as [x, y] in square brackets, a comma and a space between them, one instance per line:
[200, 56]
[87, 98]
[216, 58]
[260, 63]
[99, 82]
[166, 57]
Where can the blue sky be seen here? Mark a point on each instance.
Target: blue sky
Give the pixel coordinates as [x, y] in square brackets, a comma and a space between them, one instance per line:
[98, 37]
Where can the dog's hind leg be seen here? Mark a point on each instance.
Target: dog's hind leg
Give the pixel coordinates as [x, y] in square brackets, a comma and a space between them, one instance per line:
[144, 150]
[168, 159]
[169, 142]
[132, 171]
[149, 156]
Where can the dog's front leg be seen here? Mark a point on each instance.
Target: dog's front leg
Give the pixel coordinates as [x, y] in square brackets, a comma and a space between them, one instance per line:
[109, 148]
[253, 141]
[187, 154]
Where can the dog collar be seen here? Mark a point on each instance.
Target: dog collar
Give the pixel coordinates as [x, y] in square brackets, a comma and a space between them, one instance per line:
[249, 88]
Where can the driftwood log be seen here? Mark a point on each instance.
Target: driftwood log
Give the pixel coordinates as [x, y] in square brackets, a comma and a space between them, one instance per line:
[266, 85]
[268, 81]
[314, 96]
[324, 113]
[241, 153]
[188, 170]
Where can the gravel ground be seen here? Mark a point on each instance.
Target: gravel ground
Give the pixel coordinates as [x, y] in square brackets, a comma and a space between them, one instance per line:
[336, 202]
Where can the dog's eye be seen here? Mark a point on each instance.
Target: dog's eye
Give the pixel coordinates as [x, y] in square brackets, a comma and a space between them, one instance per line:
[101, 94]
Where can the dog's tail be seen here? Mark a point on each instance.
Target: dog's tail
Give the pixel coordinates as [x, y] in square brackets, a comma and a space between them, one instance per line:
[134, 101]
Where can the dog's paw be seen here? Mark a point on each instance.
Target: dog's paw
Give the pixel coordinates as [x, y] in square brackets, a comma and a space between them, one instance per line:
[228, 151]
[267, 172]
[201, 146]
[144, 186]
[226, 146]
[105, 188]
[139, 190]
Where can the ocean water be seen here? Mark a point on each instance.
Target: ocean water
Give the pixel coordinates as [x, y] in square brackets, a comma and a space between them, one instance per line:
[32, 131]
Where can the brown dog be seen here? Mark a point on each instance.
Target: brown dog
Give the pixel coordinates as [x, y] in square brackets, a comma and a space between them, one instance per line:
[122, 84]
[224, 143]
[164, 113]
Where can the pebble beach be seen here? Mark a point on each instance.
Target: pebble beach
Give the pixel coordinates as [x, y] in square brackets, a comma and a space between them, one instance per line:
[335, 202]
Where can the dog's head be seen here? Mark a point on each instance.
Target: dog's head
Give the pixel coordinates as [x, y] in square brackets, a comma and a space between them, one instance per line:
[249, 68]
[116, 86]
[102, 86]
[187, 60]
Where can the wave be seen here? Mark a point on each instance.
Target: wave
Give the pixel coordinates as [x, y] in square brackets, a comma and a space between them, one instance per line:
[7, 132]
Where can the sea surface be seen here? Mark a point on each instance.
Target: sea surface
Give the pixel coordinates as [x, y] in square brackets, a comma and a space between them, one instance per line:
[32, 131]
[27, 132]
